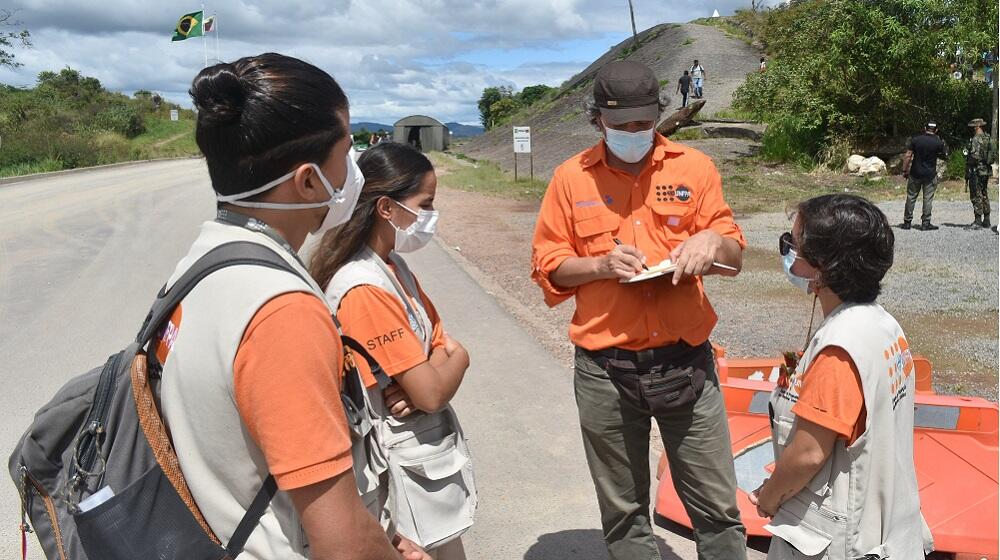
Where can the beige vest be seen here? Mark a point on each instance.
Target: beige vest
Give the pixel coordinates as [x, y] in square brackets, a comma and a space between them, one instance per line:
[221, 463]
[864, 499]
[415, 473]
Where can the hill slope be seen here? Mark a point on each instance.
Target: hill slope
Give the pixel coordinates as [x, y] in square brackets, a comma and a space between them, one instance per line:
[559, 127]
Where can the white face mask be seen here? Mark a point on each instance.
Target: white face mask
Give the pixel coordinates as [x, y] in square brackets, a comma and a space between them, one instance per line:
[798, 281]
[629, 147]
[341, 204]
[419, 233]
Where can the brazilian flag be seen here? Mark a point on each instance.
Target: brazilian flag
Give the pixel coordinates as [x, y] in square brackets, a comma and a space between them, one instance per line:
[190, 25]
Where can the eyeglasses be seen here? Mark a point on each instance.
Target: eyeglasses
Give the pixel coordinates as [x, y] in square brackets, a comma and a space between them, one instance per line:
[786, 243]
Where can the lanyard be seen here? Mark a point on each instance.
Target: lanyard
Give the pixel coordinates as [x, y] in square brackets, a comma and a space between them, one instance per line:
[253, 224]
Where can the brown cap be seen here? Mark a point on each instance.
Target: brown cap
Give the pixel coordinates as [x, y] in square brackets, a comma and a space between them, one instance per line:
[977, 122]
[627, 91]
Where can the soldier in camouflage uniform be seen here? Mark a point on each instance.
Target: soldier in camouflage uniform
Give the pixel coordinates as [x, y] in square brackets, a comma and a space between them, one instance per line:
[978, 169]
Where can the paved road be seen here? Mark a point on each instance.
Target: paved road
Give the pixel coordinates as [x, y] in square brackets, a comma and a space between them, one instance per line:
[82, 255]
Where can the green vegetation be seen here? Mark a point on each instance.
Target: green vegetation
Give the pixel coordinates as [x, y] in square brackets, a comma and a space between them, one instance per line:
[726, 26]
[955, 168]
[688, 134]
[734, 114]
[499, 105]
[863, 72]
[688, 41]
[363, 137]
[69, 120]
[484, 177]
[633, 45]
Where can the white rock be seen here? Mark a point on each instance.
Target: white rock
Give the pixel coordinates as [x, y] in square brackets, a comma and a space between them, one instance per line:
[872, 166]
[854, 163]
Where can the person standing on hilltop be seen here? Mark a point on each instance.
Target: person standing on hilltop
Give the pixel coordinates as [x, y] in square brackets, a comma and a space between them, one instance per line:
[642, 348]
[920, 170]
[698, 73]
[978, 160]
[683, 87]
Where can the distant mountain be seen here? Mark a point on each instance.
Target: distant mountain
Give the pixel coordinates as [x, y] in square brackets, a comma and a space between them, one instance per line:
[459, 130]
[370, 127]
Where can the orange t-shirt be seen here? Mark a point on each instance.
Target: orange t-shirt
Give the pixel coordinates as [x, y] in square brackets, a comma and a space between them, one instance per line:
[287, 375]
[831, 394]
[589, 205]
[377, 319]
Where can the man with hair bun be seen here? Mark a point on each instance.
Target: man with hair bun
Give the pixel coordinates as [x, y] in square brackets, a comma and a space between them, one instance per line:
[251, 370]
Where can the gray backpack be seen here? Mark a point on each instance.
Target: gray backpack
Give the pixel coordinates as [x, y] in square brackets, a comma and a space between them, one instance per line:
[96, 472]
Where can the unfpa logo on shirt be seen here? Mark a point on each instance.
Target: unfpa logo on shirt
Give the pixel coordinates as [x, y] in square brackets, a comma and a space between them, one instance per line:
[899, 362]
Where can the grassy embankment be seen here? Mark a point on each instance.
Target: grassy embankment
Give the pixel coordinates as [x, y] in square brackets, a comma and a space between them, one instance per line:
[455, 171]
[69, 120]
[163, 138]
[750, 185]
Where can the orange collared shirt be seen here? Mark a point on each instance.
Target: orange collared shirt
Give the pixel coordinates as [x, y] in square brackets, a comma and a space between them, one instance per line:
[589, 204]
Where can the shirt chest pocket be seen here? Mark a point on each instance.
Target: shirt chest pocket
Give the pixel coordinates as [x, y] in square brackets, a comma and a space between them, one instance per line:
[675, 218]
[596, 232]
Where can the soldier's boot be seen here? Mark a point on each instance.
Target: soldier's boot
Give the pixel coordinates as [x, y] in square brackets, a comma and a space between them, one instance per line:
[986, 220]
[978, 222]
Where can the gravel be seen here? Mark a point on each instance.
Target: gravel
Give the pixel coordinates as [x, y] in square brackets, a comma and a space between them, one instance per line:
[943, 289]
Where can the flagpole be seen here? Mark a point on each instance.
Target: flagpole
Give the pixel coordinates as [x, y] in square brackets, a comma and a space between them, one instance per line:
[215, 29]
[204, 40]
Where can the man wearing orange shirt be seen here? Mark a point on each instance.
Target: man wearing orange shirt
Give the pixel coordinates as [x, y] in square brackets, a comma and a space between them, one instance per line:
[637, 199]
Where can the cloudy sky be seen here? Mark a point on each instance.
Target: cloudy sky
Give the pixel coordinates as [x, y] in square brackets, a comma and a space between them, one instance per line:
[393, 57]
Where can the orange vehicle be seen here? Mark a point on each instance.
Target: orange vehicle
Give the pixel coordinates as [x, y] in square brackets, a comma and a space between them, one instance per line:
[955, 450]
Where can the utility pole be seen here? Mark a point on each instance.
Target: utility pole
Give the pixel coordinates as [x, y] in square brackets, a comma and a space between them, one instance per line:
[631, 13]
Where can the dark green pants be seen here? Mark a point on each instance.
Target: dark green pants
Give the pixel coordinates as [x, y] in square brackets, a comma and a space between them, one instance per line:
[914, 188]
[696, 439]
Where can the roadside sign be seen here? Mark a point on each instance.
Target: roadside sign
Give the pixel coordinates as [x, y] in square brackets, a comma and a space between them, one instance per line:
[175, 115]
[522, 139]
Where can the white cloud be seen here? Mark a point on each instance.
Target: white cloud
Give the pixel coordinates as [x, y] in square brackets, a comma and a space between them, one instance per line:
[393, 57]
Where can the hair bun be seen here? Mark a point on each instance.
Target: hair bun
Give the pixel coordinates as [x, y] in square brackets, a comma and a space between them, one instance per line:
[218, 94]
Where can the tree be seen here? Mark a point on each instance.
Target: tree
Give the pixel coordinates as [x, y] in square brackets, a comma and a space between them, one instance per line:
[70, 84]
[864, 70]
[491, 96]
[502, 111]
[11, 39]
[532, 94]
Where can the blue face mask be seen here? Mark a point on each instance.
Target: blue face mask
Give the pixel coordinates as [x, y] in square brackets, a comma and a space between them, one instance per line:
[629, 147]
[798, 281]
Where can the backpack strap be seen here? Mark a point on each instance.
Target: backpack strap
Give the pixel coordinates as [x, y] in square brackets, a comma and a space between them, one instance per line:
[249, 522]
[229, 254]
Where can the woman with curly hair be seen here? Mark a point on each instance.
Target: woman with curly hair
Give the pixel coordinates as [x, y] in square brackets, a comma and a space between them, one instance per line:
[844, 484]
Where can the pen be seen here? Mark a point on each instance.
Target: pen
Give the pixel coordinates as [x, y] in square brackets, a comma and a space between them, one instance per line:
[725, 266]
[619, 242]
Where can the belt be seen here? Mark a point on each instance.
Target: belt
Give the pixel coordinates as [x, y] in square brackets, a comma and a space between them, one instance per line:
[643, 356]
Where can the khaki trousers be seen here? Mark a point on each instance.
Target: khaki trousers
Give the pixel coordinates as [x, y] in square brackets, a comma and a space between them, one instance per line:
[696, 440]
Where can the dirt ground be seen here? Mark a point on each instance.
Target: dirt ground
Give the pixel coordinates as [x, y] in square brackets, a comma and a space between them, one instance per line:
[492, 237]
